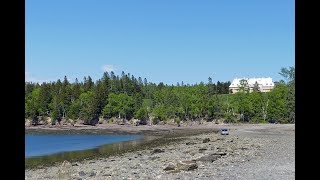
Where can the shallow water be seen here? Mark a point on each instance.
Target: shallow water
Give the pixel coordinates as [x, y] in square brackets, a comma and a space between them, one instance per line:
[128, 143]
[106, 150]
[40, 145]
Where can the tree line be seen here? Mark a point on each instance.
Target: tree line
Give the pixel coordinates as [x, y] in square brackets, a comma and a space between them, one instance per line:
[126, 97]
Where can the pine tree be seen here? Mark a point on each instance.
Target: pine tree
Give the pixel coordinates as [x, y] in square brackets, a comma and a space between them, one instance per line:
[256, 87]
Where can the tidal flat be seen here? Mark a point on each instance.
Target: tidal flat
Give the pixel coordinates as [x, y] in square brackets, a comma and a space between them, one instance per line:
[250, 151]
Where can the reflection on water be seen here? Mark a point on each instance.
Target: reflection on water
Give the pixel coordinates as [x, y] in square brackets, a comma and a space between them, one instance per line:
[46, 144]
[101, 151]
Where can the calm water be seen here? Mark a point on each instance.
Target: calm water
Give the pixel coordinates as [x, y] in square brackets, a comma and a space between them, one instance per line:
[39, 145]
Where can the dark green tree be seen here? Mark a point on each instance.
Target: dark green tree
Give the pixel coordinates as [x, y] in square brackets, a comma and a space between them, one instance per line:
[89, 112]
[211, 87]
[277, 108]
[256, 87]
[32, 106]
[120, 105]
[244, 86]
[88, 84]
[289, 75]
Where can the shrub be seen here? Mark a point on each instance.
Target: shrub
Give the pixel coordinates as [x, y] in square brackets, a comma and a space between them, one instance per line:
[177, 120]
[230, 118]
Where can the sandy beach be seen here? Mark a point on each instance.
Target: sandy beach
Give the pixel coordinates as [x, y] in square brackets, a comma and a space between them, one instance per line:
[250, 151]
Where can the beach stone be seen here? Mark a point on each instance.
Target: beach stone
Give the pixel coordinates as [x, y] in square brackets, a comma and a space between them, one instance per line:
[206, 140]
[214, 139]
[230, 149]
[170, 167]
[136, 166]
[187, 165]
[92, 173]
[27, 122]
[106, 175]
[222, 149]
[244, 148]
[157, 151]
[64, 171]
[209, 158]
[190, 143]
[202, 149]
[219, 153]
[154, 158]
[81, 173]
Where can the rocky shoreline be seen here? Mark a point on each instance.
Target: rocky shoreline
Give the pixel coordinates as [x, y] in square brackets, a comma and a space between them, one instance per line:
[265, 151]
[112, 128]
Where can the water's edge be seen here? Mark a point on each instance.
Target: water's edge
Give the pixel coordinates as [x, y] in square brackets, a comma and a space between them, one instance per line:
[148, 142]
[87, 154]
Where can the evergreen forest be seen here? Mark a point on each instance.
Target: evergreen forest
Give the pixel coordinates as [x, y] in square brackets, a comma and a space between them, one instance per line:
[126, 97]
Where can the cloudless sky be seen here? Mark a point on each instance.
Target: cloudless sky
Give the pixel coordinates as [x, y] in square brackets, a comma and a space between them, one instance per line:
[162, 40]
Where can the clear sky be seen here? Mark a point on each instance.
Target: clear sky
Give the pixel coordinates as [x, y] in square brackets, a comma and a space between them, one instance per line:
[162, 40]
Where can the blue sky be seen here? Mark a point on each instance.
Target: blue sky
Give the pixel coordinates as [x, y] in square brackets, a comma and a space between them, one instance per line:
[162, 40]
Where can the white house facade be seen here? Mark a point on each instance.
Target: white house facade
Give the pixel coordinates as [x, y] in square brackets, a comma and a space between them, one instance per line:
[264, 84]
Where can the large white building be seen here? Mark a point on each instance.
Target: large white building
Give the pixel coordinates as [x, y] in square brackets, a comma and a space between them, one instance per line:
[264, 84]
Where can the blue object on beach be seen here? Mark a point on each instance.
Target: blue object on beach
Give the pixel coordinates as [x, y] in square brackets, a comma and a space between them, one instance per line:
[224, 131]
